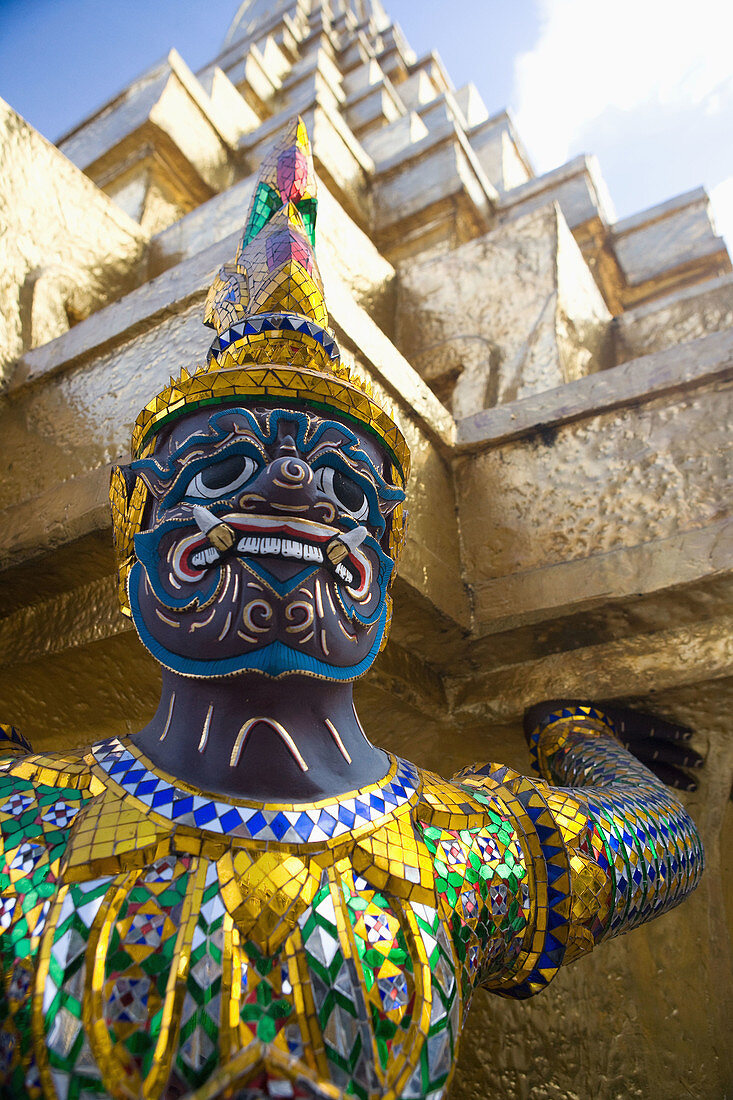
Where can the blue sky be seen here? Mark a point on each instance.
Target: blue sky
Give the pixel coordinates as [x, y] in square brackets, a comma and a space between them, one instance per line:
[646, 85]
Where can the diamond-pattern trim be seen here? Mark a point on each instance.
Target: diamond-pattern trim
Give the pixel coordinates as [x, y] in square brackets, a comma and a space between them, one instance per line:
[299, 824]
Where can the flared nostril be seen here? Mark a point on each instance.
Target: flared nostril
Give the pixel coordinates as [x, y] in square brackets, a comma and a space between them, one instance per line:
[287, 446]
[249, 501]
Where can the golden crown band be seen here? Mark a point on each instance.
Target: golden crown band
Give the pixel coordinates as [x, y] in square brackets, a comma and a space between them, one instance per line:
[228, 381]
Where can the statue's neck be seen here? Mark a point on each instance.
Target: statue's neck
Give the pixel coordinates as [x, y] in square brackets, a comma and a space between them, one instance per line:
[248, 736]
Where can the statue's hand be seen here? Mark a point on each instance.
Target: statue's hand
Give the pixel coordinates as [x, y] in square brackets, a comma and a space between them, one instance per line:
[661, 745]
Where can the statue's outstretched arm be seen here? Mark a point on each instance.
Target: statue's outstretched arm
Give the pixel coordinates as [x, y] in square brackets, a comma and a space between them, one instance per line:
[605, 845]
[634, 851]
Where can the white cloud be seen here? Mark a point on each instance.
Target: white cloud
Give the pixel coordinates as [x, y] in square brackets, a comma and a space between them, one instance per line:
[721, 200]
[631, 53]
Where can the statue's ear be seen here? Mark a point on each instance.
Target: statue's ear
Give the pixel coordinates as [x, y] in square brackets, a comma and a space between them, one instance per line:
[387, 507]
[121, 483]
[121, 490]
[390, 498]
[128, 496]
[127, 474]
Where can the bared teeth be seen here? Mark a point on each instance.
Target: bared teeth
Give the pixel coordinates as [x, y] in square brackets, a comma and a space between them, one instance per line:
[205, 557]
[273, 546]
[281, 545]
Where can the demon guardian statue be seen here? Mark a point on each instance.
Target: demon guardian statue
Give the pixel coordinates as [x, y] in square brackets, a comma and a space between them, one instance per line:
[247, 899]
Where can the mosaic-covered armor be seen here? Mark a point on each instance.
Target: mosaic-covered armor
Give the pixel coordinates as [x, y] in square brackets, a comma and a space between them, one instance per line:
[158, 942]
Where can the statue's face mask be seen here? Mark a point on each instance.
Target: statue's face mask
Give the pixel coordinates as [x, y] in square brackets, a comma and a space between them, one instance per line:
[266, 546]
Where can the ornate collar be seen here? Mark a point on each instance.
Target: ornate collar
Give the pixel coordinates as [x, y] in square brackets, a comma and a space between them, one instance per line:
[125, 767]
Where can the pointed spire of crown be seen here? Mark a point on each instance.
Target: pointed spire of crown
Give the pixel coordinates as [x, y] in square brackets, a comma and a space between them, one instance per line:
[274, 287]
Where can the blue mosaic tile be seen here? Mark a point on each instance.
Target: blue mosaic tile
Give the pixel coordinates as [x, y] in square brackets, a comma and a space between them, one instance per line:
[297, 825]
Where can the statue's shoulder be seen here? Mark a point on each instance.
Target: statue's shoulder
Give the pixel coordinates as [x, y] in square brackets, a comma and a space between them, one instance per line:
[40, 795]
[472, 799]
[21, 766]
[471, 819]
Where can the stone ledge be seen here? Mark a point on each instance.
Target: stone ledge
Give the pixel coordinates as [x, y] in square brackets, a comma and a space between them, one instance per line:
[643, 664]
[166, 295]
[164, 145]
[662, 210]
[68, 621]
[431, 194]
[485, 133]
[537, 595]
[445, 131]
[687, 294]
[675, 318]
[578, 186]
[64, 512]
[637, 381]
[55, 267]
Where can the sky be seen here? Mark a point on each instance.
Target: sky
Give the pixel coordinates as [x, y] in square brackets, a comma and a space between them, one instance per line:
[645, 85]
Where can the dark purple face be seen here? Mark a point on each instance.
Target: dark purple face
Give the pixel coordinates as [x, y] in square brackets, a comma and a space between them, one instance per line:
[265, 546]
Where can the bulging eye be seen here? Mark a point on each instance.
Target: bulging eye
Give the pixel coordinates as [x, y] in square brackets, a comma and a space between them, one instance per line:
[220, 479]
[343, 491]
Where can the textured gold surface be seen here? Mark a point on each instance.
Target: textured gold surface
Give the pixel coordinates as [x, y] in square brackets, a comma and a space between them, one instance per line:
[624, 667]
[69, 266]
[512, 313]
[604, 484]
